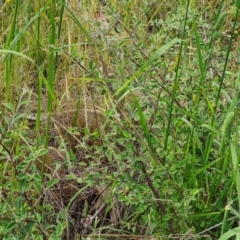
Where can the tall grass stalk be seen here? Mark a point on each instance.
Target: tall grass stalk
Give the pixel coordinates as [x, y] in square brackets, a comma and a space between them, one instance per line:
[203, 71]
[213, 190]
[51, 73]
[8, 62]
[39, 100]
[176, 80]
[80, 25]
[235, 182]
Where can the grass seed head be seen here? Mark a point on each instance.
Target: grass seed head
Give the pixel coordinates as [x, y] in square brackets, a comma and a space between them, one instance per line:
[227, 125]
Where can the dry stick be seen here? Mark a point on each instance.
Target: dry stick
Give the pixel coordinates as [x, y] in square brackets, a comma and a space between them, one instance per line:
[155, 193]
[34, 213]
[9, 154]
[87, 222]
[105, 71]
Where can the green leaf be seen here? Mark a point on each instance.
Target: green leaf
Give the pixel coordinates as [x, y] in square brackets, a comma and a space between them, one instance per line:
[42, 152]
[11, 226]
[9, 106]
[143, 123]
[230, 233]
[86, 131]
[20, 34]
[19, 116]
[28, 228]
[4, 223]
[7, 120]
[20, 55]
[23, 102]
[49, 89]
[126, 134]
[38, 186]
[214, 130]
[22, 176]
[22, 185]
[37, 177]
[238, 3]
[235, 212]
[59, 229]
[52, 182]
[38, 217]
[138, 167]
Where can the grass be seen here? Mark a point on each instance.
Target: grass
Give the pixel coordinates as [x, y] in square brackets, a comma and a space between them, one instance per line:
[119, 120]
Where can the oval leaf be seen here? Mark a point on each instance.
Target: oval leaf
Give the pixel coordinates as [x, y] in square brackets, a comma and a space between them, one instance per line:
[52, 182]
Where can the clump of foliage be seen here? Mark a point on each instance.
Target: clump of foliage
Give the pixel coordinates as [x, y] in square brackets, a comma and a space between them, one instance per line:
[119, 119]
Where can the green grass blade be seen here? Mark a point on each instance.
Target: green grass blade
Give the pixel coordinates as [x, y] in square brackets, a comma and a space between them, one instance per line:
[176, 80]
[18, 54]
[9, 60]
[226, 60]
[21, 33]
[199, 52]
[155, 57]
[51, 76]
[39, 100]
[76, 20]
[230, 233]
[143, 122]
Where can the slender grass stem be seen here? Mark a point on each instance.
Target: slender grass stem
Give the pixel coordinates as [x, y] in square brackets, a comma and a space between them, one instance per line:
[176, 80]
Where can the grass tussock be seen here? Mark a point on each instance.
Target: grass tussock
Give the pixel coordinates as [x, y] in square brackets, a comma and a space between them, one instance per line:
[119, 119]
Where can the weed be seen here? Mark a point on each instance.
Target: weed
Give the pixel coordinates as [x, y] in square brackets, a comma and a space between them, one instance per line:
[119, 119]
